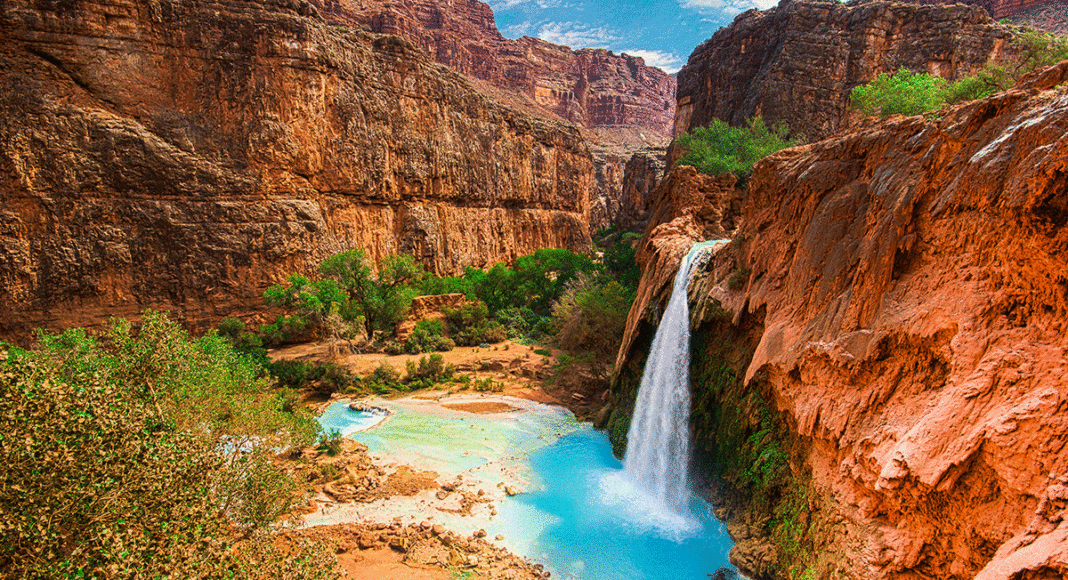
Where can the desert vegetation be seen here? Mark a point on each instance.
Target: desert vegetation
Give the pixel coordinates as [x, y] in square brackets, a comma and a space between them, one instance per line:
[147, 454]
[908, 93]
[720, 148]
[555, 297]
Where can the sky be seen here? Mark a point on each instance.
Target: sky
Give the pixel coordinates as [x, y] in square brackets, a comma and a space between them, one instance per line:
[663, 32]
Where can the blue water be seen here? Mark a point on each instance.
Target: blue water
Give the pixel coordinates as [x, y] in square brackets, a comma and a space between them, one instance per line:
[577, 515]
[340, 417]
[590, 526]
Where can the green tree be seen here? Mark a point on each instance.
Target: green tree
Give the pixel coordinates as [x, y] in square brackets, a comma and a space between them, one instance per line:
[720, 148]
[382, 300]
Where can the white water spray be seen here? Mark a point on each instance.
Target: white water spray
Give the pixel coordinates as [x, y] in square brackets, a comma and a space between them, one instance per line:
[658, 442]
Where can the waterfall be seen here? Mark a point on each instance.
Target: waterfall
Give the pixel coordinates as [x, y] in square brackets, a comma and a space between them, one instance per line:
[658, 442]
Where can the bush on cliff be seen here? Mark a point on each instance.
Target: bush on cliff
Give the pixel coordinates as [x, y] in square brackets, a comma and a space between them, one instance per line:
[908, 93]
[720, 148]
[901, 93]
[145, 454]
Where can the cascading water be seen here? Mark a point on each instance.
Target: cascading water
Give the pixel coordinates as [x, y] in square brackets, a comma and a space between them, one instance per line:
[658, 442]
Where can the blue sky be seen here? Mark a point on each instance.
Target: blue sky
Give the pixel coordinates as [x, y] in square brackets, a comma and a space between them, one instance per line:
[663, 32]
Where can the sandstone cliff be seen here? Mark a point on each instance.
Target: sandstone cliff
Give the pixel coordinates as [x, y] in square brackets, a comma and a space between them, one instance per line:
[184, 155]
[590, 87]
[888, 325]
[996, 8]
[797, 62]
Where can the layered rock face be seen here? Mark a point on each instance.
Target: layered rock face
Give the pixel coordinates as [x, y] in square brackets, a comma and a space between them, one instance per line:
[185, 155]
[996, 8]
[590, 87]
[905, 290]
[797, 62]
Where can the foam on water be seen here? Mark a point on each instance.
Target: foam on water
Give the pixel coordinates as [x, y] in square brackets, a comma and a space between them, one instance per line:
[339, 416]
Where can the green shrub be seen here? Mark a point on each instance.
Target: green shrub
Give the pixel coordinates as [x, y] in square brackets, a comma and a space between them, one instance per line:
[427, 337]
[231, 327]
[542, 352]
[145, 455]
[322, 379]
[383, 379]
[330, 443]
[720, 148]
[296, 374]
[487, 385]
[591, 318]
[902, 93]
[430, 371]
[393, 348]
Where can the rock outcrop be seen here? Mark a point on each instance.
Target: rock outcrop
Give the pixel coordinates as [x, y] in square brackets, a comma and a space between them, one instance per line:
[643, 172]
[594, 88]
[904, 288]
[185, 155]
[686, 207]
[797, 62]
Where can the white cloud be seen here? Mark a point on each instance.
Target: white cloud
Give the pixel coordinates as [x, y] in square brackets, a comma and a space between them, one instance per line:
[517, 30]
[505, 4]
[727, 6]
[666, 61]
[577, 35]
[509, 4]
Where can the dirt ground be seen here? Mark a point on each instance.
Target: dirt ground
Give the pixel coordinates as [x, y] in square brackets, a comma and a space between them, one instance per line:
[524, 373]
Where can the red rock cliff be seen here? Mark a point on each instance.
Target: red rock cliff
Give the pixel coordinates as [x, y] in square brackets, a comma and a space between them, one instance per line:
[797, 62]
[910, 284]
[594, 88]
[185, 155]
[996, 8]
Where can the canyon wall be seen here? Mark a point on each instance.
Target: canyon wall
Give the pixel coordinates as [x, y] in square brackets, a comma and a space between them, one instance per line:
[996, 8]
[879, 372]
[797, 62]
[593, 88]
[185, 155]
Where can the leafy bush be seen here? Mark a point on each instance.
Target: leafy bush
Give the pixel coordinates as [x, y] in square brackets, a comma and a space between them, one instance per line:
[902, 93]
[429, 372]
[910, 93]
[144, 455]
[720, 148]
[620, 263]
[427, 337]
[487, 385]
[471, 325]
[393, 348]
[591, 318]
[383, 379]
[523, 322]
[330, 443]
[486, 333]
